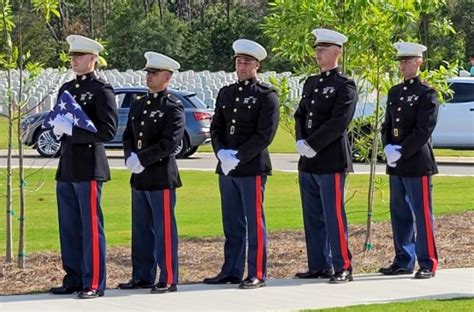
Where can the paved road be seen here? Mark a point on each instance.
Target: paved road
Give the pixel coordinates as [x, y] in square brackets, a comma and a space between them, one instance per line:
[280, 294]
[280, 162]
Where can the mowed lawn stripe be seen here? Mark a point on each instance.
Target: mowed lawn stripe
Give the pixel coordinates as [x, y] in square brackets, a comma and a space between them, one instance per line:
[198, 209]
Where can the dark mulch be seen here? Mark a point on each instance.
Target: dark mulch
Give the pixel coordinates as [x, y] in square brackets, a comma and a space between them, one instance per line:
[200, 258]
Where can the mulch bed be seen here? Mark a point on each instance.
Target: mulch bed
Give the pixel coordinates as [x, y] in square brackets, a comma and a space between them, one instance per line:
[201, 258]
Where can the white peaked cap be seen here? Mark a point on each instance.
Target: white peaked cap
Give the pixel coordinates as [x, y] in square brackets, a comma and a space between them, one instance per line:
[83, 44]
[160, 61]
[409, 49]
[328, 36]
[249, 47]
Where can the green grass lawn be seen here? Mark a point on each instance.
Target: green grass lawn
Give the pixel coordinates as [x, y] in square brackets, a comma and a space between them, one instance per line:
[4, 133]
[198, 205]
[458, 304]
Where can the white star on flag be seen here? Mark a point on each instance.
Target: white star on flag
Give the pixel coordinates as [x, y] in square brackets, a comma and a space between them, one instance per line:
[68, 107]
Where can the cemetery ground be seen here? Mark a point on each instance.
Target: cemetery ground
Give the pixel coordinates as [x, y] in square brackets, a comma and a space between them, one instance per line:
[199, 224]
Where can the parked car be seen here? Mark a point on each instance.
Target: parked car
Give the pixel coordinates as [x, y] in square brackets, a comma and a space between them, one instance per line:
[455, 126]
[198, 118]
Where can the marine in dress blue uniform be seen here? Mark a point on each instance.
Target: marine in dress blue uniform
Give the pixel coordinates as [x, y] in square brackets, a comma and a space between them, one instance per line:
[410, 118]
[244, 124]
[82, 169]
[154, 129]
[323, 115]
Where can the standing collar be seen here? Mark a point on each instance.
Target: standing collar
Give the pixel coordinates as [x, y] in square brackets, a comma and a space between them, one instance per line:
[154, 95]
[250, 81]
[85, 77]
[412, 81]
[330, 72]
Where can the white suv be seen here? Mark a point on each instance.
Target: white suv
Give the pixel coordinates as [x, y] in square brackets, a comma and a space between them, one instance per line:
[455, 127]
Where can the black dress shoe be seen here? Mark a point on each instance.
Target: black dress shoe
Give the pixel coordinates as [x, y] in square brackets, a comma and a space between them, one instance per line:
[162, 288]
[90, 293]
[395, 269]
[133, 284]
[424, 274]
[341, 277]
[222, 279]
[251, 283]
[64, 290]
[315, 274]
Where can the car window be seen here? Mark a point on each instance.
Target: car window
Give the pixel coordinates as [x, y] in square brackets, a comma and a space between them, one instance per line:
[195, 101]
[119, 97]
[463, 92]
[130, 97]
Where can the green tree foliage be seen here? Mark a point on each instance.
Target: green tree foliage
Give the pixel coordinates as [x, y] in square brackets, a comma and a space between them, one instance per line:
[130, 32]
[372, 27]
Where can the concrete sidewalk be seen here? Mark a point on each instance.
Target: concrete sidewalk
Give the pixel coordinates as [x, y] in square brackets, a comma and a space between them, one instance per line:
[281, 295]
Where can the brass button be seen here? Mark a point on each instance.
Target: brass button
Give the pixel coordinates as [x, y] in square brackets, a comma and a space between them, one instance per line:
[312, 101]
[236, 99]
[142, 123]
[148, 102]
[235, 110]
[311, 113]
[401, 99]
[397, 120]
[77, 85]
[233, 120]
[240, 88]
[399, 109]
[145, 111]
[320, 79]
[140, 134]
[404, 88]
[316, 90]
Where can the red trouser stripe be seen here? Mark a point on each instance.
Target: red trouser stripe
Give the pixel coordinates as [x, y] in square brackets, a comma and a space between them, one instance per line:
[258, 210]
[428, 224]
[95, 236]
[340, 222]
[168, 242]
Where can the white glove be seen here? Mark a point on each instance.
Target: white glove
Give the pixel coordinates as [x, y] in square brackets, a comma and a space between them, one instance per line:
[303, 148]
[311, 153]
[225, 153]
[133, 164]
[392, 154]
[62, 125]
[391, 164]
[229, 163]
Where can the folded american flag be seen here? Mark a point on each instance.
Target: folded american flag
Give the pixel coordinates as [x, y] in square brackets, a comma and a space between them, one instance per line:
[69, 108]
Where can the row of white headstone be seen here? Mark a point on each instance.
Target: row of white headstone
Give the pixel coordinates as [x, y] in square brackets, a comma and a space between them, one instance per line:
[41, 93]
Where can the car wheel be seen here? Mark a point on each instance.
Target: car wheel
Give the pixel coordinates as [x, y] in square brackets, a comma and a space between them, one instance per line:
[46, 144]
[183, 148]
[191, 151]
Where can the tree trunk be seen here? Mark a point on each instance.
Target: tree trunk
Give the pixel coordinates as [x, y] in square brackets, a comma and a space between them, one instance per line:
[8, 199]
[373, 164]
[91, 25]
[160, 7]
[21, 238]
